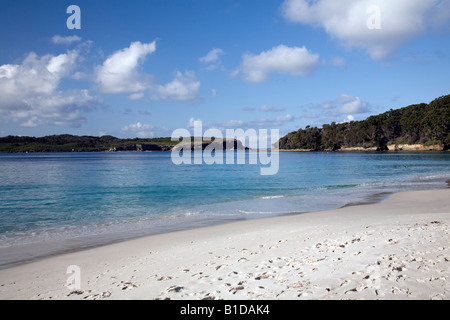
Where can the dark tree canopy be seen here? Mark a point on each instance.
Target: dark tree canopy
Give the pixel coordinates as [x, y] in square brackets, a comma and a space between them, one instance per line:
[68, 143]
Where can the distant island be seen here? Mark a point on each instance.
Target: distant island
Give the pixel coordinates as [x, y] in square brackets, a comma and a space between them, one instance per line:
[416, 127]
[72, 143]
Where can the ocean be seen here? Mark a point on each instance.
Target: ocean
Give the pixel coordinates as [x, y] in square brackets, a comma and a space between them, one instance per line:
[52, 203]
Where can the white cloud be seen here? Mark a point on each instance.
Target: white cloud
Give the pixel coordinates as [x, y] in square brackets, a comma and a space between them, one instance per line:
[281, 59]
[400, 20]
[184, 87]
[345, 104]
[212, 56]
[119, 72]
[351, 104]
[212, 59]
[266, 108]
[30, 92]
[136, 96]
[286, 118]
[140, 130]
[65, 40]
[35, 75]
[233, 124]
[137, 126]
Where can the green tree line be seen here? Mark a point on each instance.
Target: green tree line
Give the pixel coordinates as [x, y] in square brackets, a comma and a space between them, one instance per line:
[69, 143]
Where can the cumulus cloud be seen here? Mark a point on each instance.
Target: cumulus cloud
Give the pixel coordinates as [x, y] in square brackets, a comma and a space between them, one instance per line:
[30, 91]
[212, 56]
[140, 130]
[119, 72]
[184, 87]
[281, 59]
[36, 74]
[350, 104]
[60, 109]
[57, 39]
[345, 104]
[212, 59]
[347, 20]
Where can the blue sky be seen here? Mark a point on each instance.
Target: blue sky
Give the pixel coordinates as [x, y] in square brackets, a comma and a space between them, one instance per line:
[146, 68]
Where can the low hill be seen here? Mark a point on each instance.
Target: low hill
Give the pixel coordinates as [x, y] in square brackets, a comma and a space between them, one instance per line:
[69, 143]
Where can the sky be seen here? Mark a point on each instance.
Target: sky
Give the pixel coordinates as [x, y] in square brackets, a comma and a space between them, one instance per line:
[143, 68]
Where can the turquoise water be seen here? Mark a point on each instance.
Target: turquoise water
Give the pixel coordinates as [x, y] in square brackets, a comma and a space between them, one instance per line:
[74, 200]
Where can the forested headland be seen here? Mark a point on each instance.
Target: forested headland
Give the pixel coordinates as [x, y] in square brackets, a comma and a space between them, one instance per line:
[427, 125]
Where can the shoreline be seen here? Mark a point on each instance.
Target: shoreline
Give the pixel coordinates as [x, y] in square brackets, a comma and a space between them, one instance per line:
[347, 149]
[32, 252]
[396, 249]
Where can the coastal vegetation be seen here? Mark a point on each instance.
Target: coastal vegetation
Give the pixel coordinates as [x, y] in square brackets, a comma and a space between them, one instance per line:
[71, 143]
[420, 124]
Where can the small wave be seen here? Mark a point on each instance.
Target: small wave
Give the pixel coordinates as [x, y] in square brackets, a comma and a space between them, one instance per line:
[188, 214]
[255, 212]
[435, 177]
[271, 197]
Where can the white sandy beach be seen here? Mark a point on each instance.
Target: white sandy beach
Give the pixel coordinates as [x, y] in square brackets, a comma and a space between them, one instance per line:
[398, 249]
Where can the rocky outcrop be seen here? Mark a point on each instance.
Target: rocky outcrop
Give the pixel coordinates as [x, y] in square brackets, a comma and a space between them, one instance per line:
[166, 148]
[415, 147]
[358, 149]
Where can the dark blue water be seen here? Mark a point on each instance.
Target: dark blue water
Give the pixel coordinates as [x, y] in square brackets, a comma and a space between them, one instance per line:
[63, 196]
